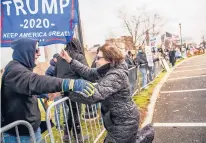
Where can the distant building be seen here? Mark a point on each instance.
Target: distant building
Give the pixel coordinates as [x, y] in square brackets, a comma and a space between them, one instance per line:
[124, 43]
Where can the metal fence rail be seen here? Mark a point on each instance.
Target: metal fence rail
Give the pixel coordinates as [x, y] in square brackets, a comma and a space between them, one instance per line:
[136, 77]
[15, 125]
[89, 122]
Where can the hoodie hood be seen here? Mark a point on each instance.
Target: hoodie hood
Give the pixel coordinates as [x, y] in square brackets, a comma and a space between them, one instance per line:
[24, 52]
[75, 47]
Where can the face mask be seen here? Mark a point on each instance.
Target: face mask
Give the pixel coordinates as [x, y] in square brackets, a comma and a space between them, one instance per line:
[140, 51]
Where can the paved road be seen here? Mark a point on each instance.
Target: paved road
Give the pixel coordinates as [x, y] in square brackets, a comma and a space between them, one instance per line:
[180, 114]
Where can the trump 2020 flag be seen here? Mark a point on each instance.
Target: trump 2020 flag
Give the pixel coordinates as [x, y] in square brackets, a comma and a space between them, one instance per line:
[49, 21]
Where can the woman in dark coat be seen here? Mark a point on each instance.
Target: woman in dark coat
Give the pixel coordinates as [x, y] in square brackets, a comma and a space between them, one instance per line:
[120, 114]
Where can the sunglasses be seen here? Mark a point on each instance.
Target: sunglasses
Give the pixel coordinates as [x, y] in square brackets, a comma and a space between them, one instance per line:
[98, 58]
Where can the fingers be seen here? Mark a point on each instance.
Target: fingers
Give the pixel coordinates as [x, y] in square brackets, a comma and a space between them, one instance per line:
[90, 85]
[89, 89]
[65, 56]
[53, 95]
[63, 53]
[88, 93]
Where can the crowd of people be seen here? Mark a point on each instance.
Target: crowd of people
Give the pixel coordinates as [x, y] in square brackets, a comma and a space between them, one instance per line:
[69, 75]
[140, 60]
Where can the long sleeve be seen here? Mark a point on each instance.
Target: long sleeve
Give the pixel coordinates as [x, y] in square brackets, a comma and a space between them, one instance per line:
[28, 83]
[111, 84]
[86, 72]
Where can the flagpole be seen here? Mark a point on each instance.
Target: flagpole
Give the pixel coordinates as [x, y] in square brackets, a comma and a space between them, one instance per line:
[79, 25]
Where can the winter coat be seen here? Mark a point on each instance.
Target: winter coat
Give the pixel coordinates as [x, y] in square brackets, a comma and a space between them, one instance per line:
[172, 56]
[129, 61]
[120, 114]
[20, 87]
[51, 69]
[142, 60]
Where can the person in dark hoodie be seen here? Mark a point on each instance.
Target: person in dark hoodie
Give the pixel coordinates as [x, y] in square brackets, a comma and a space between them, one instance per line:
[129, 59]
[172, 56]
[63, 70]
[20, 87]
[143, 65]
[120, 114]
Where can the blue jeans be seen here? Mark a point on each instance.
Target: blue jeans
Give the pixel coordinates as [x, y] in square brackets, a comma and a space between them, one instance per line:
[144, 76]
[151, 73]
[8, 138]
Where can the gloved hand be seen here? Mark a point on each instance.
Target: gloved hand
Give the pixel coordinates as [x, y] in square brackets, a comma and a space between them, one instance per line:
[83, 87]
[103, 69]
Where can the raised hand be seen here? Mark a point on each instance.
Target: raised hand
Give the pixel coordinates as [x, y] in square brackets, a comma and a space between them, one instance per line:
[65, 56]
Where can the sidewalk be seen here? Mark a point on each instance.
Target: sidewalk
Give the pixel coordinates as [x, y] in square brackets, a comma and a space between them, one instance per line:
[180, 114]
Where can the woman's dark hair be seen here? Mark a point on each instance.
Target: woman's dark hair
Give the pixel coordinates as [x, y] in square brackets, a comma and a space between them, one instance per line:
[112, 54]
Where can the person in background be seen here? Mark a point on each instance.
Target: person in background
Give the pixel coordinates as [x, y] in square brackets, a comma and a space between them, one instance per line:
[64, 70]
[120, 114]
[151, 68]
[51, 72]
[178, 53]
[129, 59]
[142, 62]
[172, 56]
[19, 88]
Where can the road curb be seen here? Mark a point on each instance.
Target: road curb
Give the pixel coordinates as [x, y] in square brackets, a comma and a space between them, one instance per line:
[156, 91]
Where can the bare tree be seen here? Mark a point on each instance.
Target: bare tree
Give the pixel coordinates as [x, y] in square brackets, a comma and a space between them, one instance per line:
[140, 25]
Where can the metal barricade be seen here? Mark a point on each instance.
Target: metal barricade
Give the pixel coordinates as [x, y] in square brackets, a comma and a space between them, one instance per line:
[133, 79]
[136, 77]
[16, 124]
[84, 129]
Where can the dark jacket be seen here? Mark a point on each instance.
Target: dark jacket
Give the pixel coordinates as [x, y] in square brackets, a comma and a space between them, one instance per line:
[129, 61]
[51, 69]
[172, 55]
[120, 114]
[63, 68]
[142, 60]
[20, 85]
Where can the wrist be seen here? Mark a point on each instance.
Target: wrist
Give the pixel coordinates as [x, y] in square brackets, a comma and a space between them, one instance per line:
[69, 60]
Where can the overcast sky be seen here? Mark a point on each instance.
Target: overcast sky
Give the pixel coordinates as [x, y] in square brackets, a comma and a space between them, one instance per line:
[100, 17]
